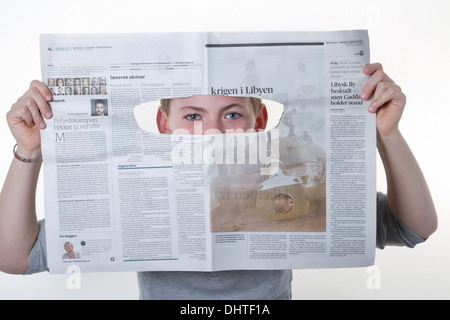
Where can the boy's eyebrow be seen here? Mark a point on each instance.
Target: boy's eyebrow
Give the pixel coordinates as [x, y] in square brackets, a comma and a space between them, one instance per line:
[232, 105]
[200, 109]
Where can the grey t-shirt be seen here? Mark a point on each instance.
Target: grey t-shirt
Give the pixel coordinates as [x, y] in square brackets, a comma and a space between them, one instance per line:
[239, 284]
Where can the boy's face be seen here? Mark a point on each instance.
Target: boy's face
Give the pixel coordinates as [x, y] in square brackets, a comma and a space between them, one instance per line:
[212, 112]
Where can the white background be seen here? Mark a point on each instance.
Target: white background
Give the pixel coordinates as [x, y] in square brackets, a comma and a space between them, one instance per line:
[410, 38]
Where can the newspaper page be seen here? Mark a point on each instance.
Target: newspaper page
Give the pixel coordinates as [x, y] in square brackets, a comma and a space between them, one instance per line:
[121, 196]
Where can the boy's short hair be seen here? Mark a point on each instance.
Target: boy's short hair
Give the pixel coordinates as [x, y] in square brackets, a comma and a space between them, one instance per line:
[256, 103]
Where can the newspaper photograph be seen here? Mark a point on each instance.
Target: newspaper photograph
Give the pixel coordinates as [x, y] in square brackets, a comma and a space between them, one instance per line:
[140, 176]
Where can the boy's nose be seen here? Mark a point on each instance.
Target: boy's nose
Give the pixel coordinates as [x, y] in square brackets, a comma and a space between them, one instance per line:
[212, 125]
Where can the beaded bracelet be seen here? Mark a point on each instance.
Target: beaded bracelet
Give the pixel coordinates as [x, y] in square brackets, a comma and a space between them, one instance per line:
[24, 159]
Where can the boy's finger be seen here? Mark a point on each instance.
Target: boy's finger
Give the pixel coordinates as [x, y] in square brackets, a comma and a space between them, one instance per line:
[372, 67]
[385, 92]
[25, 115]
[43, 89]
[41, 102]
[33, 110]
[371, 83]
[20, 112]
[46, 95]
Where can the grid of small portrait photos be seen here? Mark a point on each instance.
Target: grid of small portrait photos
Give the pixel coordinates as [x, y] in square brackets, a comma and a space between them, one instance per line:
[77, 86]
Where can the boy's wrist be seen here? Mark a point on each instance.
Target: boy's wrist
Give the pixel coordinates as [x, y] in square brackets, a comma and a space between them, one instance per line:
[26, 155]
[394, 133]
[389, 141]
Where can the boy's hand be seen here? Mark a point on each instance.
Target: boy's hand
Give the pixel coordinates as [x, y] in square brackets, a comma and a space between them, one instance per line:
[388, 100]
[25, 119]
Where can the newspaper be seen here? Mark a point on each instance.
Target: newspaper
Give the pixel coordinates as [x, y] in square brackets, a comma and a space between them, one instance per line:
[121, 197]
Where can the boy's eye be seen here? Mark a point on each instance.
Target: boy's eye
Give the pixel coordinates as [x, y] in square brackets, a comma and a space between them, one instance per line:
[232, 115]
[193, 117]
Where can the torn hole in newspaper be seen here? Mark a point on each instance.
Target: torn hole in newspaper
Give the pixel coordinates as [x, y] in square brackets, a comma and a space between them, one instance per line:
[146, 114]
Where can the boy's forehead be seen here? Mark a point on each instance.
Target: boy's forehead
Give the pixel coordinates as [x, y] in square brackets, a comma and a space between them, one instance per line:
[210, 101]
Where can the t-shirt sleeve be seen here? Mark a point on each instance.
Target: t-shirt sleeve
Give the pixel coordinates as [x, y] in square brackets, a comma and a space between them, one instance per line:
[38, 255]
[390, 230]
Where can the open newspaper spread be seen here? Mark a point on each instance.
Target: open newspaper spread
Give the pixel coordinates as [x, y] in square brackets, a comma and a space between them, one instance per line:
[119, 197]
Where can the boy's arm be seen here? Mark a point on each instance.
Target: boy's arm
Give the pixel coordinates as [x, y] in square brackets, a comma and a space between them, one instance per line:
[407, 192]
[18, 223]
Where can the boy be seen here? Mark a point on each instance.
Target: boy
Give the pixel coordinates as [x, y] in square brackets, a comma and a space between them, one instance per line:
[214, 113]
[406, 216]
